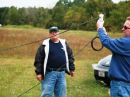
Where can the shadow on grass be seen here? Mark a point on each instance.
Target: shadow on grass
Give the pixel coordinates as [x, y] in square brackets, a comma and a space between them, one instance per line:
[96, 88]
[102, 83]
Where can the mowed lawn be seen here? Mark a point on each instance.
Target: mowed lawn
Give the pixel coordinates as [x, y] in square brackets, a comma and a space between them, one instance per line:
[17, 70]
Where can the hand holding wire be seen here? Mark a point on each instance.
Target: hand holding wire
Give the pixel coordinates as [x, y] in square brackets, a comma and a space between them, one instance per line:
[99, 24]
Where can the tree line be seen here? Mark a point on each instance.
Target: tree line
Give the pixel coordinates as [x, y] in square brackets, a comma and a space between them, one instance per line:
[66, 14]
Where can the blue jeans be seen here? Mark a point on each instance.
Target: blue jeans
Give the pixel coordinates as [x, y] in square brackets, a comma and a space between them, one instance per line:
[54, 82]
[120, 89]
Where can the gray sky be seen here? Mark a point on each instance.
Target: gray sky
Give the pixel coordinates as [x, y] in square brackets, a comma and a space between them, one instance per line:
[32, 3]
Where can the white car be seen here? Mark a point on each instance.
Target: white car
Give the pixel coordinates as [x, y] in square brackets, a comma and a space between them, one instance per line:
[101, 69]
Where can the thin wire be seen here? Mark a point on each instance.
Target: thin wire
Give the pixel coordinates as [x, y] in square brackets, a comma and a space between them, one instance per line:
[29, 89]
[81, 24]
[48, 37]
[105, 7]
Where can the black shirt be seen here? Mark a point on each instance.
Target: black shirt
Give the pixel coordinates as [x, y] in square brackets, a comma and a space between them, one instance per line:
[56, 57]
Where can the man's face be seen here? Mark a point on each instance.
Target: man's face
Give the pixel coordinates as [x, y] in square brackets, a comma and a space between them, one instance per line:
[126, 29]
[54, 35]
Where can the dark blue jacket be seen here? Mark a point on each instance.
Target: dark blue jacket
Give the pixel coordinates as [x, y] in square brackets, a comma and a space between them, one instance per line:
[120, 63]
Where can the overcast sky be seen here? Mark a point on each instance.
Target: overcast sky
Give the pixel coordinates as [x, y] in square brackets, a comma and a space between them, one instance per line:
[32, 3]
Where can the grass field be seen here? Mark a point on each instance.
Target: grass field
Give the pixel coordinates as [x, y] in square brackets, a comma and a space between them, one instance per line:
[16, 65]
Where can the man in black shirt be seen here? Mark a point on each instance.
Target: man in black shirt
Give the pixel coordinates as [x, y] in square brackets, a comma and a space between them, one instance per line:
[53, 58]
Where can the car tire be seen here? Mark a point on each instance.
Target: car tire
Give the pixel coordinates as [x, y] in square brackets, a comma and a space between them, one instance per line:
[106, 82]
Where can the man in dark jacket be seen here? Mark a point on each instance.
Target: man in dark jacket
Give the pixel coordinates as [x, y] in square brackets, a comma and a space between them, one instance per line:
[53, 58]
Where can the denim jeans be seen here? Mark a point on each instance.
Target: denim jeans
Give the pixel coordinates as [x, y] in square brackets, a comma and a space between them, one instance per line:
[54, 82]
[120, 89]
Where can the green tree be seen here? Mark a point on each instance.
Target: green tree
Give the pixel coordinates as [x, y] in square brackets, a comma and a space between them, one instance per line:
[21, 16]
[48, 18]
[3, 15]
[12, 16]
[69, 18]
[78, 3]
[116, 20]
[58, 16]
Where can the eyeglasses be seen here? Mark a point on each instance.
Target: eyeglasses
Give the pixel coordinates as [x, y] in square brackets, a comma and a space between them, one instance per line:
[125, 27]
[53, 31]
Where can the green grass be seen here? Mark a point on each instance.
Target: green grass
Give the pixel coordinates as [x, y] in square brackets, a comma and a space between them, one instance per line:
[17, 72]
[19, 26]
[84, 84]
[17, 76]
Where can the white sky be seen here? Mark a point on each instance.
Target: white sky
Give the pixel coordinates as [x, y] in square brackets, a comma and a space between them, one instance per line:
[33, 3]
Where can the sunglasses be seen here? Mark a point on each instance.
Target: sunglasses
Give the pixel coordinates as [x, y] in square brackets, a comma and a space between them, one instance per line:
[125, 27]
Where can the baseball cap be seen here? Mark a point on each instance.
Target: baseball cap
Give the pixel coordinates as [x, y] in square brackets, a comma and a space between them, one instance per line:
[53, 28]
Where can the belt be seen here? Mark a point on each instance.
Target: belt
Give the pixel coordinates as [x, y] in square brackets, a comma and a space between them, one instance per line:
[55, 69]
